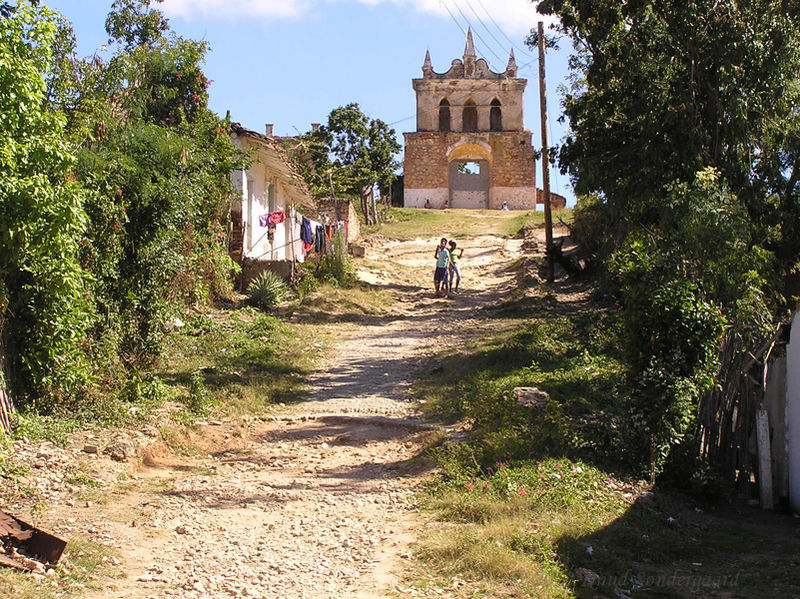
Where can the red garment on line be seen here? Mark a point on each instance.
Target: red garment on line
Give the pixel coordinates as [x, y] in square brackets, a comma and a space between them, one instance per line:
[277, 217]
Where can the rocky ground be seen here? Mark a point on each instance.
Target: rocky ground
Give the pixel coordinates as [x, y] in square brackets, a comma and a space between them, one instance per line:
[313, 501]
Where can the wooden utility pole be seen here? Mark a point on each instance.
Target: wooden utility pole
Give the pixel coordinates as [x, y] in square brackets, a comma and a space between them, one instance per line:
[548, 214]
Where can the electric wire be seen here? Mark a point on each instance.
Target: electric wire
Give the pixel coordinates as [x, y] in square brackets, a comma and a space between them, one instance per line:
[489, 31]
[475, 31]
[528, 52]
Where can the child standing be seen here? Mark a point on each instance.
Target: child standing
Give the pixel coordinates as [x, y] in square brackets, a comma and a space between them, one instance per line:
[442, 256]
[455, 271]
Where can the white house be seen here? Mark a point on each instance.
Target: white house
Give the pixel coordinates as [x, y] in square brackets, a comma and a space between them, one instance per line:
[265, 220]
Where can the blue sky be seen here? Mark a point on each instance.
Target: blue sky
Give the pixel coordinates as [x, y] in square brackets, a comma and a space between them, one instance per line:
[290, 62]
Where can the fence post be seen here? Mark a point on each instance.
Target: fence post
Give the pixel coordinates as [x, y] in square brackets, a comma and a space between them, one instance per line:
[764, 460]
[6, 405]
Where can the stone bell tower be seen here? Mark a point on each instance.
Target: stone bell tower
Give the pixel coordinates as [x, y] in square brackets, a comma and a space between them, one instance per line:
[470, 149]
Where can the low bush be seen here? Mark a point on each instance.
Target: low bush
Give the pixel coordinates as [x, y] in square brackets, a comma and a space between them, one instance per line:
[267, 290]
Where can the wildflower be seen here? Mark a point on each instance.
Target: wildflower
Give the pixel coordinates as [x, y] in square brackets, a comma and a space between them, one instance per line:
[119, 192]
[589, 550]
[194, 97]
[486, 485]
[558, 465]
[522, 492]
[469, 486]
[198, 79]
[167, 119]
[179, 76]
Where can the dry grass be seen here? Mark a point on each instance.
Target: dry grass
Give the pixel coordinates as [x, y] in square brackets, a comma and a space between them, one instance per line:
[405, 224]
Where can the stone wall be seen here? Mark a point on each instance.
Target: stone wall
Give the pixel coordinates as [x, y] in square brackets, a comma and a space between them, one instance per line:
[337, 210]
[512, 167]
[431, 92]
[252, 268]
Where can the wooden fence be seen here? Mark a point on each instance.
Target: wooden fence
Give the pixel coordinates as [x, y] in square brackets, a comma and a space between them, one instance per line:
[729, 413]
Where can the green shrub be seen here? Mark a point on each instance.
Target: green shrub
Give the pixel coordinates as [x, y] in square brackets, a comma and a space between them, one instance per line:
[267, 290]
[197, 394]
[335, 268]
[307, 285]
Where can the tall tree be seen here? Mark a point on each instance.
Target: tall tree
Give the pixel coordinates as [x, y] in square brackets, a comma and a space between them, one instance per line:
[353, 154]
[684, 129]
[42, 287]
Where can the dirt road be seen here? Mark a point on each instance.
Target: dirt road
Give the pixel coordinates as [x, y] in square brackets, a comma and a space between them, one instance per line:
[317, 500]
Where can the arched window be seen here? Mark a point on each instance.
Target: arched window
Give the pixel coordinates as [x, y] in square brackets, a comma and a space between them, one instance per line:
[444, 115]
[496, 116]
[470, 116]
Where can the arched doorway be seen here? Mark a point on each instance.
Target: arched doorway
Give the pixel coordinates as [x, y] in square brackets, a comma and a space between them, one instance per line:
[470, 170]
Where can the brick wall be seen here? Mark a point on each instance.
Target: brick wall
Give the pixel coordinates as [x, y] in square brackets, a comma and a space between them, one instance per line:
[510, 155]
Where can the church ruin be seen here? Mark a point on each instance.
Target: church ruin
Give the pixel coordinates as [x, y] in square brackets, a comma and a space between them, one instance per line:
[470, 149]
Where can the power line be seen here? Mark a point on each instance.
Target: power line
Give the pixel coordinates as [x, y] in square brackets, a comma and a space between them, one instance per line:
[480, 20]
[483, 41]
[503, 33]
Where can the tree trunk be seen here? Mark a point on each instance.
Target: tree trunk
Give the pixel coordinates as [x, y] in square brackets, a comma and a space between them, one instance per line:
[374, 205]
[366, 204]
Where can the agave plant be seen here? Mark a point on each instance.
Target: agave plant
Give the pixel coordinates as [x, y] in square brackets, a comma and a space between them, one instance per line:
[266, 290]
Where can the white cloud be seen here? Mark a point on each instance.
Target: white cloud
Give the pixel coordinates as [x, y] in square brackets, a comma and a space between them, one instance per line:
[232, 9]
[515, 17]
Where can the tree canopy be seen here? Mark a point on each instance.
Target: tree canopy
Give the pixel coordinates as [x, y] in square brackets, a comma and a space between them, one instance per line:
[683, 148]
[350, 155]
[115, 188]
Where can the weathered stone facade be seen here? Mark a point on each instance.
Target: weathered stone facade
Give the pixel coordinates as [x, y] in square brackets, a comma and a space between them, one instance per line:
[471, 149]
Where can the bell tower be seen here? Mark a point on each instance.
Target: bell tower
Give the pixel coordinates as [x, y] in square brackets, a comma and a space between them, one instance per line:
[470, 148]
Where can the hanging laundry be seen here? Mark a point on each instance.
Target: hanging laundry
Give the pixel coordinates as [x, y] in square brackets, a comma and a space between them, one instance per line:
[263, 220]
[277, 217]
[305, 232]
[318, 238]
[298, 250]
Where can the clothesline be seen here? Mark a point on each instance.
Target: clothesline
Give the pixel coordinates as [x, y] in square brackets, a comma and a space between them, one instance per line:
[338, 226]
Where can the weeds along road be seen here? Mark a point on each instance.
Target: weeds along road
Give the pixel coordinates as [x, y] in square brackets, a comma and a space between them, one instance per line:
[315, 500]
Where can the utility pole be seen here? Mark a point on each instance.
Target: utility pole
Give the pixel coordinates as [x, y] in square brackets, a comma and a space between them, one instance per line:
[548, 214]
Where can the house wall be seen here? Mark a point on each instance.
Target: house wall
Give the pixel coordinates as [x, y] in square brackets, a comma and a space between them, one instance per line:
[253, 201]
[341, 210]
[793, 412]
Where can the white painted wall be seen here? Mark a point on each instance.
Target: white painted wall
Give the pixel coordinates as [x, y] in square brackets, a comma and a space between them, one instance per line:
[415, 198]
[518, 198]
[254, 186]
[475, 200]
[793, 412]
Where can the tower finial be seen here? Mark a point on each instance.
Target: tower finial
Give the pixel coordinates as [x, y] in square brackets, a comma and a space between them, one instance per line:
[469, 51]
[511, 69]
[427, 66]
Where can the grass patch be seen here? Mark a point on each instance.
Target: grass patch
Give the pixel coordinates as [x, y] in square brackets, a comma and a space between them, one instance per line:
[537, 502]
[563, 528]
[406, 224]
[332, 304]
[83, 562]
[575, 360]
[236, 362]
